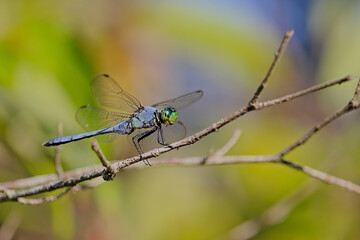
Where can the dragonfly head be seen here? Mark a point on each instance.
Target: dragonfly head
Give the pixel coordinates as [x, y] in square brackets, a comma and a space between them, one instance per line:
[168, 115]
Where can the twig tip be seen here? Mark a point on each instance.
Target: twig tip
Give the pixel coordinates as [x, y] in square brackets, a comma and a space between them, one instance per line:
[351, 77]
[289, 33]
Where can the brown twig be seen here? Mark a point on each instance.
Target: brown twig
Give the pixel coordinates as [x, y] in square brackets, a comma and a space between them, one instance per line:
[350, 186]
[289, 97]
[190, 161]
[273, 158]
[278, 54]
[222, 151]
[352, 105]
[48, 187]
[39, 201]
[47, 178]
[96, 148]
[110, 173]
[193, 161]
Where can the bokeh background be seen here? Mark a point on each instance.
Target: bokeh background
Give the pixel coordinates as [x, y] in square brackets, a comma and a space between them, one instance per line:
[50, 51]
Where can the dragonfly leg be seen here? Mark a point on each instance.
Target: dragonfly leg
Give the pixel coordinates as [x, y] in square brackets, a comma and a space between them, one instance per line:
[160, 137]
[140, 137]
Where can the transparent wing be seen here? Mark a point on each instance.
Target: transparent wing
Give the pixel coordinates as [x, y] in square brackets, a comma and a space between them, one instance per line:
[92, 118]
[109, 94]
[172, 133]
[180, 102]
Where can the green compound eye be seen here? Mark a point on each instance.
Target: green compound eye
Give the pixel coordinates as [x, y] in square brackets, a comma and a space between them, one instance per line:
[168, 115]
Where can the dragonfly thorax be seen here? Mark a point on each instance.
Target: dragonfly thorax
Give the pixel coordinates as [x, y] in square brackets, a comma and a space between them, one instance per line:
[168, 115]
[145, 117]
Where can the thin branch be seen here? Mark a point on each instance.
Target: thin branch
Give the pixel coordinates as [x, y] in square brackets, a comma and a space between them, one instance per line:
[96, 148]
[190, 161]
[39, 201]
[278, 54]
[48, 187]
[110, 173]
[222, 151]
[216, 160]
[352, 105]
[57, 162]
[222, 160]
[313, 130]
[352, 187]
[304, 92]
[354, 100]
[46, 178]
[316, 174]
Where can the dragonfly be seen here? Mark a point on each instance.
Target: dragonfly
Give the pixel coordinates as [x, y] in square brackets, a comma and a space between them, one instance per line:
[120, 113]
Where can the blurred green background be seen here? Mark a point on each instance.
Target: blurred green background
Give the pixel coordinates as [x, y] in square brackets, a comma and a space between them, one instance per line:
[50, 51]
